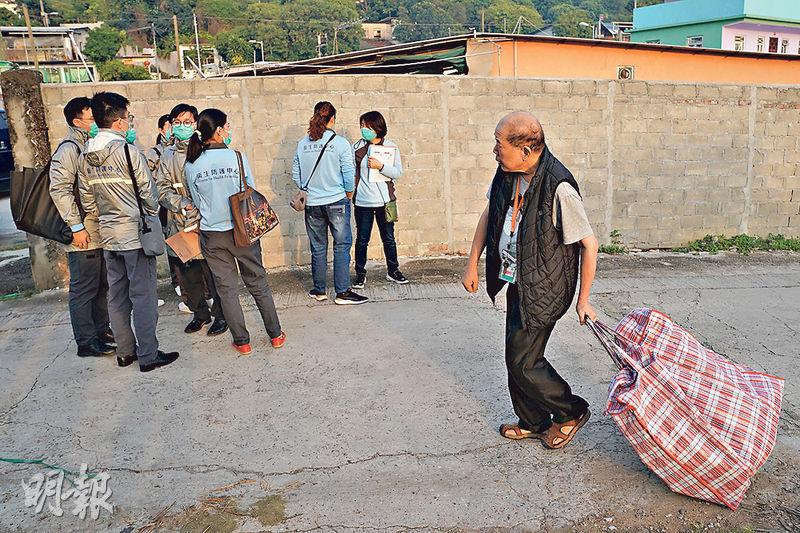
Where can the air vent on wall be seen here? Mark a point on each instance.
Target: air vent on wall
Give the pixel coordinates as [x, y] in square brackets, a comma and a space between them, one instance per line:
[624, 73]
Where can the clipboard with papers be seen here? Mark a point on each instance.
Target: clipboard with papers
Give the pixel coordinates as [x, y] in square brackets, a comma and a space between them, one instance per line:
[384, 154]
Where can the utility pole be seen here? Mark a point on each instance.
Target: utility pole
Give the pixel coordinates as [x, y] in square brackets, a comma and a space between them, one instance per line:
[483, 20]
[197, 42]
[153, 31]
[45, 16]
[30, 36]
[335, 40]
[177, 45]
[319, 45]
[155, 49]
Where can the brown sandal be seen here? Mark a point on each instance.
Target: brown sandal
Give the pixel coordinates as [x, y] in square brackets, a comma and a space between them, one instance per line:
[559, 435]
[519, 433]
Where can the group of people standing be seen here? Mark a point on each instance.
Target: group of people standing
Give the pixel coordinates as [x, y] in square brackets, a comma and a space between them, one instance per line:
[534, 229]
[104, 188]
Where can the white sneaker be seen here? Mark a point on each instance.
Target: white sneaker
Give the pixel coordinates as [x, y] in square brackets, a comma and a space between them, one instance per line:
[178, 290]
[210, 302]
[184, 308]
[160, 302]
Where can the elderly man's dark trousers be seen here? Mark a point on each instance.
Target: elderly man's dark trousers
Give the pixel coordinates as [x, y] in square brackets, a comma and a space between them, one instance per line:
[88, 295]
[539, 395]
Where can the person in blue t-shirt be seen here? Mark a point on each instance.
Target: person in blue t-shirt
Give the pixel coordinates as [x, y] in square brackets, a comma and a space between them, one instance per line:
[213, 174]
[324, 171]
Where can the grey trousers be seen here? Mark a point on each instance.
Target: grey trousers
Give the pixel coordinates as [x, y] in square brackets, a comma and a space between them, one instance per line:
[132, 288]
[88, 295]
[223, 256]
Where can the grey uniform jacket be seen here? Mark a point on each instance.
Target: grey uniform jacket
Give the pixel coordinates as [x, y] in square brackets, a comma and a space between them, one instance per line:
[107, 190]
[153, 156]
[173, 193]
[63, 173]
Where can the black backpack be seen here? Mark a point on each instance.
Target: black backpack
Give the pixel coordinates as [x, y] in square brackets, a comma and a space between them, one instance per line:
[32, 207]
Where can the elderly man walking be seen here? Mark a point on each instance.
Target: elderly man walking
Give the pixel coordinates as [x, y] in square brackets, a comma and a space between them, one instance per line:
[537, 239]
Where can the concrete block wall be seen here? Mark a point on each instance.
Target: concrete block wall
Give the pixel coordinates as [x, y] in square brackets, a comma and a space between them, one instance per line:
[662, 163]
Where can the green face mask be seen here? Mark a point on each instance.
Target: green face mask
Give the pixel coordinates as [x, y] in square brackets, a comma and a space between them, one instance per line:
[368, 135]
[227, 140]
[168, 135]
[182, 132]
[130, 135]
[93, 130]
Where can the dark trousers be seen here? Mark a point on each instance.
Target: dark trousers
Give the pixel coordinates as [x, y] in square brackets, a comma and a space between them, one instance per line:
[132, 289]
[364, 218]
[539, 395]
[88, 295]
[175, 270]
[195, 276]
[223, 256]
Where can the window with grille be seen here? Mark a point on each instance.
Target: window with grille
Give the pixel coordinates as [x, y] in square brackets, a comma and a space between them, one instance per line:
[760, 44]
[695, 41]
[738, 43]
[785, 46]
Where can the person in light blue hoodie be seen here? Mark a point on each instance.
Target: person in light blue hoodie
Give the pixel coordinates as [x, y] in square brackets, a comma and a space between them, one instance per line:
[213, 174]
[371, 196]
[324, 171]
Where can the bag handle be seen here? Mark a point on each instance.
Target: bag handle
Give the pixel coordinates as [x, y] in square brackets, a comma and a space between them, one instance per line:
[605, 335]
[145, 227]
[319, 158]
[241, 170]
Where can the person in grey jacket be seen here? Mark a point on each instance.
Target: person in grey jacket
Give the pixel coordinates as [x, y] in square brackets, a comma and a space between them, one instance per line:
[107, 191]
[163, 140]
[173, 194]
[88, 287]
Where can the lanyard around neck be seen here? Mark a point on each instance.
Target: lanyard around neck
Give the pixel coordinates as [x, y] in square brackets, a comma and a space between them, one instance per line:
[517, 207]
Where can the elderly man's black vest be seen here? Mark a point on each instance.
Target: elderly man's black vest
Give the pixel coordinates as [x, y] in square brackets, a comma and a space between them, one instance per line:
[547, 269]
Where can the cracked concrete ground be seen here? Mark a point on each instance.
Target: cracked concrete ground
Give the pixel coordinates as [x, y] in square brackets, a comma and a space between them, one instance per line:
[383, 417]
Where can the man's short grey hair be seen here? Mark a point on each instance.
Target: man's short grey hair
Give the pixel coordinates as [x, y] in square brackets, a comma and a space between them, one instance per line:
[529, 134]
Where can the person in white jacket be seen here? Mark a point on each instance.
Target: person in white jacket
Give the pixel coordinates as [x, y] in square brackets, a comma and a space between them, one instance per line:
[371, 196]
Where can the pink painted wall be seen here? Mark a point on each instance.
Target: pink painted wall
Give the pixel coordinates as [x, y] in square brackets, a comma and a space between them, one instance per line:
[751, 40]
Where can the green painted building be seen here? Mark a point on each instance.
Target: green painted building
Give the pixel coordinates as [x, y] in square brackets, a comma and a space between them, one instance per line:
[768, 26]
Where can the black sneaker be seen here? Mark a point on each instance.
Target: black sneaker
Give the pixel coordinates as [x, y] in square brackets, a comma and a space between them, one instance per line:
[397, 277]
[162, 359]
[350, 298]
[319, 296]
[106, 337]
[361, 280]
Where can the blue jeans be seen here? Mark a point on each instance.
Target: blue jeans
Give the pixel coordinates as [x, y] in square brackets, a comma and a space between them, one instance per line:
[319, 219]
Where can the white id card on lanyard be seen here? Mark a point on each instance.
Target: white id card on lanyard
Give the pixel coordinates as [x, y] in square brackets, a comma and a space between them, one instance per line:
[508, 263]
[508, 257]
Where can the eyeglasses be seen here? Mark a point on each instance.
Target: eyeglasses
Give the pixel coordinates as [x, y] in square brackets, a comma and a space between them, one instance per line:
[188, 123]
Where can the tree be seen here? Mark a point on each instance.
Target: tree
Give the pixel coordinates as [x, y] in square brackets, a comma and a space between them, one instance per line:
[503, 15]
[431, 19]
[269, 29]
[567, 19]
[643, 3]
[103, 44]
[313, 17]
[234, 48]
[116, 70]
[7, 18]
